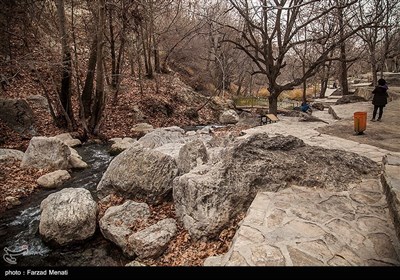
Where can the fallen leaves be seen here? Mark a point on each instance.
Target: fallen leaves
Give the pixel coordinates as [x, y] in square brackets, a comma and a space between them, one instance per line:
[182, 249]
[17, 182]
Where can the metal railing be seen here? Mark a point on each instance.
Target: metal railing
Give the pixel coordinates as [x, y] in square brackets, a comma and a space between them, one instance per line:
[250, 102]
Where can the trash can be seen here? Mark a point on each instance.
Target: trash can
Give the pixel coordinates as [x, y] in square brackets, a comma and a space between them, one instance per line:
[360, 122]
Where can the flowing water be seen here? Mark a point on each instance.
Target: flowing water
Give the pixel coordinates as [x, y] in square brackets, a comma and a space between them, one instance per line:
[21, 243]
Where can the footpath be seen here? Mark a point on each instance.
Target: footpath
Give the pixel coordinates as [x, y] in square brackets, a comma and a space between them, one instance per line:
[302, 226]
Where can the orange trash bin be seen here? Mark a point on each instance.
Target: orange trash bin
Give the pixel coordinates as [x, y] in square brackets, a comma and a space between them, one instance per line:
[360, 122]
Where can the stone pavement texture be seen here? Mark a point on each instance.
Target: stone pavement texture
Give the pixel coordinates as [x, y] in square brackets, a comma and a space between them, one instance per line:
[301, 226]
[391, 182]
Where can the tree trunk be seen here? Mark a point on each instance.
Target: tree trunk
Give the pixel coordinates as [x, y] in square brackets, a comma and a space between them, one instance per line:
[99, 102]
[139, 63]
[65, 92]
[343, 57]
[120, 62]
[112, 49]
[373, 67]
[273, 104]
[305, 81]
[82, 118]
[324, 86]
[87, 93]
[150, 73]
[146, 65]
[305, 91]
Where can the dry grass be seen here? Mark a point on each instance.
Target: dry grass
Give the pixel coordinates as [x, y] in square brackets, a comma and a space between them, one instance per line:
[297, 94]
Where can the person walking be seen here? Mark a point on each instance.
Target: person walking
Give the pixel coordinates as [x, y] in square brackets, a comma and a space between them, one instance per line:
[380, 99]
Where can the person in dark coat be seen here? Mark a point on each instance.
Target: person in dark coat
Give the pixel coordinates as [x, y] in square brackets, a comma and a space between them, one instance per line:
[380, 99]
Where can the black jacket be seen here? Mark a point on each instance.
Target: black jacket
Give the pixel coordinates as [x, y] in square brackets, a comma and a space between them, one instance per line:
[380, 96]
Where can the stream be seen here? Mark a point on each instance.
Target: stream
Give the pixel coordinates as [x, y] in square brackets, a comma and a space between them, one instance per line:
[19, 227]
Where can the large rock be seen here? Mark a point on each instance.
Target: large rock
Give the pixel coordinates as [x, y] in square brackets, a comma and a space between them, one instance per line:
[229, 117]
[76, 162]
[170, 149]
[139, 173]
[68, 216]
[304, 117]
[116, 224]
[152, 241]
[18, 115]
[53, 179]
[121, 144]
[45, 152]
[67, 139]
[191, 155]
[162, 136]
[350, 99]
[364, 92]
[141, 129]
[11, 201]
[207, 198]
[7, 154]
[38, 102]
[318, 106]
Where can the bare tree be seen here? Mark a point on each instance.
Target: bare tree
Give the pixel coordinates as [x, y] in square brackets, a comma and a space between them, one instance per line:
[65, 92]
[372, 36]
[268, 35]
[100, 96]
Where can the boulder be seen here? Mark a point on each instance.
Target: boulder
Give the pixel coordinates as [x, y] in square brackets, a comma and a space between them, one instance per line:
[210, 196]
[68, 216]
[38, 102]
[191, 155]
[121, 145]
[152, 241]
[229, 117]
[318, 106]
[138, 115]
[7, 154]
[162, 136]
[45, 153]
[364, 92]
[205, 130]
[304, 117]
[141, 129]
[170, 149]
[139, 173]
[76, 162]
[53, 179]
[67, 139]
[74, 153]
[135, 264]
[350, 99]
[11, 201]
[116, 224]
[18, 115]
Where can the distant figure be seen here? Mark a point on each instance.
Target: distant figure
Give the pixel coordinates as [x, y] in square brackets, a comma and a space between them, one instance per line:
[380, 99]
[305, 108]
[334, 85]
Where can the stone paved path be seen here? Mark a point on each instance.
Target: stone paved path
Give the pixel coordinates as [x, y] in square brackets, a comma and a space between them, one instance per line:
[307, 132]
[301, 226]
[306, 227]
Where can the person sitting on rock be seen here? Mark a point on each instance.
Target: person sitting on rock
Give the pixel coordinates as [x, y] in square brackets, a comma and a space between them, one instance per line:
[305, 108]
[380, 99]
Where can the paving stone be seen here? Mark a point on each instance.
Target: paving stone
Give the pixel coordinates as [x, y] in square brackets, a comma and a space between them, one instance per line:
[310, 227]
[392, 160]
[322, 228]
